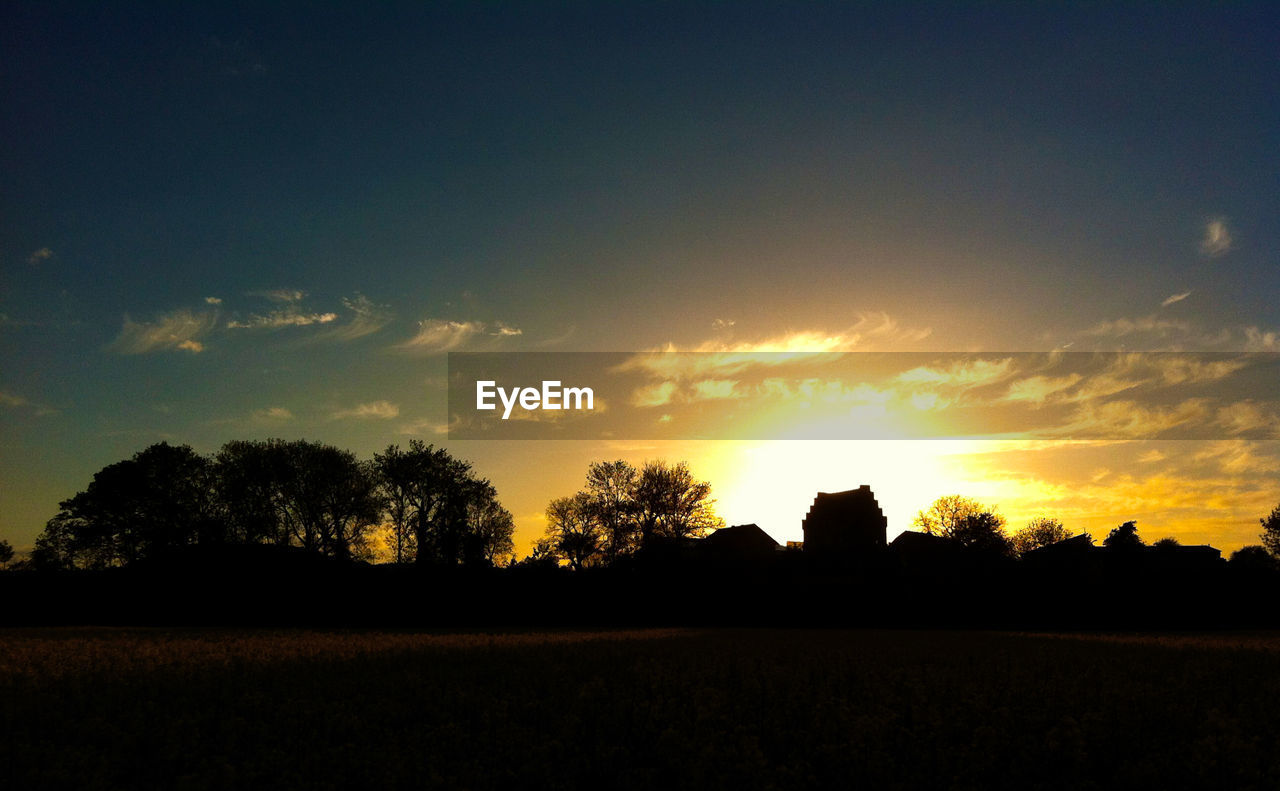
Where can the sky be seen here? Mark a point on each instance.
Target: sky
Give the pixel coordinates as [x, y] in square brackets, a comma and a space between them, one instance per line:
[276, 220]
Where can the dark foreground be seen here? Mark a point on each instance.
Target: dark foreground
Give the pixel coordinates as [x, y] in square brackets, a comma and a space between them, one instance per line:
[730, 708]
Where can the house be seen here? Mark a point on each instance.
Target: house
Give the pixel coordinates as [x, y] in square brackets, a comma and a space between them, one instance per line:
[740, 541]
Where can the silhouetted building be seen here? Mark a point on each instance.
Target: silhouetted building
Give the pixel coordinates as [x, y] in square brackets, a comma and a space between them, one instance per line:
[844, 524]
[912, 544]
[741, 541]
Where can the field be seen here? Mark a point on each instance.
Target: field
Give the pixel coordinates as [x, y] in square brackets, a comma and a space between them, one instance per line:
[670, 709]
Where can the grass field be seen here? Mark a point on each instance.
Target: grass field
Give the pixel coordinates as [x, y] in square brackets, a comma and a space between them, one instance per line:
[668, 709]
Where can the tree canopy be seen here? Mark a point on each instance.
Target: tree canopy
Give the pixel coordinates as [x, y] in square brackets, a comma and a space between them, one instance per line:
[1271, 531]
[286, 493]
[1039, 532]
[966, 521]
[621, 509]
[1124, 537]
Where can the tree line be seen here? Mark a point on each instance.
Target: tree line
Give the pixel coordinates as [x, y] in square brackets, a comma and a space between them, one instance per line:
[982, 528]
[427, 506]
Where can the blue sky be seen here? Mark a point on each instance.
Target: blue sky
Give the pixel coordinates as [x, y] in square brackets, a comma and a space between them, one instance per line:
[272, 220]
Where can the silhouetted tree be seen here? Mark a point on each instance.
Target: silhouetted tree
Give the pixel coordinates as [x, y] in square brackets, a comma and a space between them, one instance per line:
[160, 499]
[1124, 537]
[489, 529]
[1039, 532]
[967, 521]
[1168, 542]
[611, 487]
[1271, 531]
[671, 504]
[439, 509]
[983, 532]
[1254, 558]
[946, 513]
[573, 532]
[252, 484]
[6, 553]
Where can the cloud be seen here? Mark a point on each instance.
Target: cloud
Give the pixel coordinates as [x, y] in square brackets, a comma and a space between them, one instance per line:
[714, 389]
[280, 294]
[180, 329]
[961, 374]
[213, 300]
[1038, 389]
[1133, 420]
[287, 317]
[419, 427]
[438, 335]
[1217, 238]
[1255, 340]
[722, 324]
[40, 256]
[12, 401]
[1120, 328]
[1174, 298]
[367, 317]
[383, 410]
[275, 413]
[654, 395]
[1245, 417]
[872, 331]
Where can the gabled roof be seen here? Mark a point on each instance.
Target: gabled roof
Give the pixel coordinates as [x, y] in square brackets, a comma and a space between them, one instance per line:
[741, 538]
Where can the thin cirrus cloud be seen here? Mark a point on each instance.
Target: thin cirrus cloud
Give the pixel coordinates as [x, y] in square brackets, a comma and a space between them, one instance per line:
[13, 401]
[287, 317]
[439, 335]
[1217, 238]
[1172, 298]
[40, 256]
[367, 317]
[179, 330]
[280, 294]
[381, 410]
[273, 414]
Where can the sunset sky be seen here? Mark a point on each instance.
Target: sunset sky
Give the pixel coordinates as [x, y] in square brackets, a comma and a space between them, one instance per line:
[251, 222]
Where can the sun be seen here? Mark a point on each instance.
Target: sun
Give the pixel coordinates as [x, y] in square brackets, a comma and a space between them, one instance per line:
[773, 483]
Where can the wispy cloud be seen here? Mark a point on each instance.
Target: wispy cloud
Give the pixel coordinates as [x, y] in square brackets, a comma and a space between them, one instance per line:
[721, 356]
[273, 414]
[1172, 298]
[1256, 340]
[178, 330]
[40, 256]
[287, 317]
[367, 317]
[12, 401]
[213, 300]
[503, 331]
[438, 335]
[1122, 327]
[1217, 238]
[420, 427]
[280, 294]
[382, 410]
